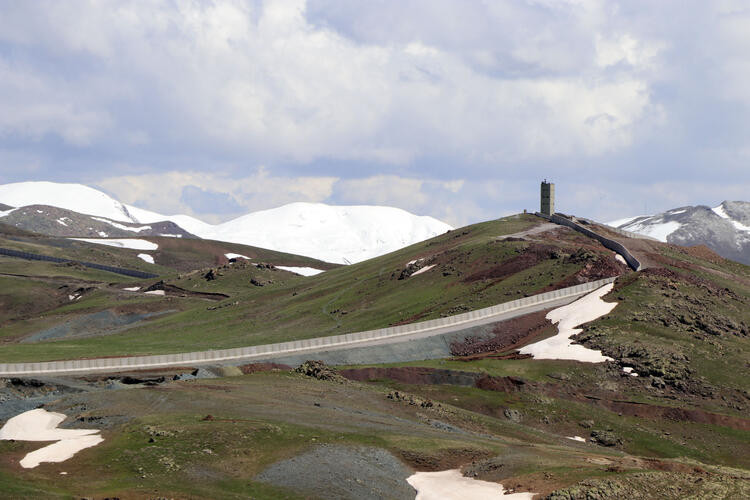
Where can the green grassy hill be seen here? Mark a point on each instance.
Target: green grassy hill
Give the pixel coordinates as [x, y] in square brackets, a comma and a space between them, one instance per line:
[678, 429]
[463, 270]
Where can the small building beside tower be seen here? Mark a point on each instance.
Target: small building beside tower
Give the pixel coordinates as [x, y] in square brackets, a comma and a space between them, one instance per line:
[548, 198]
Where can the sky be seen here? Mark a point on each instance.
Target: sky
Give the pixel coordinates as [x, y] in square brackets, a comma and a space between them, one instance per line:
[451, 108]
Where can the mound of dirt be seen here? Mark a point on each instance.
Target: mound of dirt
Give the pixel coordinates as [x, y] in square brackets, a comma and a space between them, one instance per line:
[438, 460]
[506, 335]
[263, 367]
[320, 371]
[336, 471]
[412, 375]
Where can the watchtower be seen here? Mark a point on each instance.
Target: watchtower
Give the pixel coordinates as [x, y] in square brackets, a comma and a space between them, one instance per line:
[548, 198]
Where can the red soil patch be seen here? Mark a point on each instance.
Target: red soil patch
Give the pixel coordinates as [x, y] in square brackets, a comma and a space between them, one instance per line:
[262, 367]
[412, 375]
[603, 267]
[442, 459]
[645, 410]
[500, 384]
[705, 253]
[531, 256]
[508, 335]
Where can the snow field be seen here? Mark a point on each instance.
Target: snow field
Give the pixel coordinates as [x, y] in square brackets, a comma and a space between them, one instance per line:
[146, 257]
[76, 197]
[568, 317]
[452, 485]
[660, 231]
[724, 215]
[130, 243]
[304, 271]
[41, 425]
[236, 256]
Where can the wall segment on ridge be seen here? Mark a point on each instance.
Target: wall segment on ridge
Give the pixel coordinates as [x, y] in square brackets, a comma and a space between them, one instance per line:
[253, 353]
[613, 245]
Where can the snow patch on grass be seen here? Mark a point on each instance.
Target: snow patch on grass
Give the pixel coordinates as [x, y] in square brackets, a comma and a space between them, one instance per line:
[423, 270]
[586, 309]
[132, 288]
[576, 438]
[41, 425]
[155, 292]
[146, 257]
[236, 256]
[304, 271]
[452, 485]
[130, 243]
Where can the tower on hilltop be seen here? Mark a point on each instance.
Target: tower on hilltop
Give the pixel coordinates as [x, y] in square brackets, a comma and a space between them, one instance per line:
[548, 198]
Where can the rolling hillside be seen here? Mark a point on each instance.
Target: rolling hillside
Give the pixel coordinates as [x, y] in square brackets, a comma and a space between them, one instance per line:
[665, 417]
[463, 270]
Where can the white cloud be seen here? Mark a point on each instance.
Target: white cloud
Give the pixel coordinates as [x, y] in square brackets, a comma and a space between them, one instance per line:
[162, 192]
[34, 106]
[266, 81]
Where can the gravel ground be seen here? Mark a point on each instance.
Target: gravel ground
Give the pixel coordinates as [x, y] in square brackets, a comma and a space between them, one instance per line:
[342, 472]
[436, 347]
[90, 325]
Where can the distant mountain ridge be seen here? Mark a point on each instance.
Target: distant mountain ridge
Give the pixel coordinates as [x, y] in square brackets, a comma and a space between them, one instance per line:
[54, 221]
[338, 234]
[724, 228]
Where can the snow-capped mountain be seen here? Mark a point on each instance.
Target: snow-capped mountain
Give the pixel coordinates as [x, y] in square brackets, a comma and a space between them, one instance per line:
[340, 234]
[725, 228]
[54, 221]
[75, 197]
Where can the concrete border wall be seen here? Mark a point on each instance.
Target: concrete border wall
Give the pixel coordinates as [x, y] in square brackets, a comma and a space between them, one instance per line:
[241, 354]
[608, 243]
[118, 270]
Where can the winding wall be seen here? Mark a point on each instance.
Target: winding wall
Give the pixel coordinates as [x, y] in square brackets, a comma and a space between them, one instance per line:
[608, 243]
[401, 333]
[118, 270]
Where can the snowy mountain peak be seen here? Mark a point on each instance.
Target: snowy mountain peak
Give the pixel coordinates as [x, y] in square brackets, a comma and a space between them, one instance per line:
[75, 197]
[340, 234]
[724, 228]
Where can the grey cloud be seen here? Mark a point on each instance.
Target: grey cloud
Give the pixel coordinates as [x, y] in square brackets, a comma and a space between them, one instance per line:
[206, 201]
[604, 97]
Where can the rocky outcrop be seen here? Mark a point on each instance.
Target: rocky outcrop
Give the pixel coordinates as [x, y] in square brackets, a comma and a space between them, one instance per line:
[54, 221]
[319, 370]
